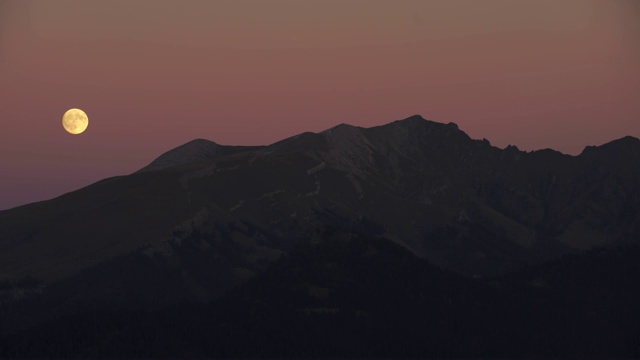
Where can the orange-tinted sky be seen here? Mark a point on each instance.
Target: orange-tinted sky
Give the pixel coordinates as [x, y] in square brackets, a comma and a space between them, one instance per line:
[154, 74]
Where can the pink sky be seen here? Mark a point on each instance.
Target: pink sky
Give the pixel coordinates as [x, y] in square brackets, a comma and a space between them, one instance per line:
[153, 74]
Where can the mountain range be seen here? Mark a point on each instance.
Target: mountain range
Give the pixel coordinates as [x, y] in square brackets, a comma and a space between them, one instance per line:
[204, 221]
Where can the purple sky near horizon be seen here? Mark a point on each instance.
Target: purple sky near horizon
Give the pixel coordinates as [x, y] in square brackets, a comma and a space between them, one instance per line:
[154, 74]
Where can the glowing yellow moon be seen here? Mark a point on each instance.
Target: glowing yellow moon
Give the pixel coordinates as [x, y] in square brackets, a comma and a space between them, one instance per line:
[75, 121]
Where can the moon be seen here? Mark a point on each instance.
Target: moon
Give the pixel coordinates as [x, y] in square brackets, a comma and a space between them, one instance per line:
[75, 121]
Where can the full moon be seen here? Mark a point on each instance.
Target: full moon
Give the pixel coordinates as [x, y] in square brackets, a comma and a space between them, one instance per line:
[75, 121]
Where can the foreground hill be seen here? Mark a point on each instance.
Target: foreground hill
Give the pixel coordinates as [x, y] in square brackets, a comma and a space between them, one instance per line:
[344, 294]
[204, 218]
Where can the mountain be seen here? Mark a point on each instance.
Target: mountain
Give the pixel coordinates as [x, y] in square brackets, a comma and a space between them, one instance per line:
[193, 151]
[205, 218]
[347, 295]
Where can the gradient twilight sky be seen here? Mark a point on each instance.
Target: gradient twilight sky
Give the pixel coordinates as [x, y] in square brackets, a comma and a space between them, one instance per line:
[153, 74]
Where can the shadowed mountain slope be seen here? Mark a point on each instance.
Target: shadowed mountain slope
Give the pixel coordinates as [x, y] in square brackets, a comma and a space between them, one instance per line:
[208, 217]
[347, 295]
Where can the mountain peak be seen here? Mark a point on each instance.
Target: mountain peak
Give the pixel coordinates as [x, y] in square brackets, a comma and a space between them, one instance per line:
[416, 117]
[200, 141]
[412, 120]
[419, 128]
[418, 120]
[194, 150]
[623, 145]
[339, 129]
[624, 141]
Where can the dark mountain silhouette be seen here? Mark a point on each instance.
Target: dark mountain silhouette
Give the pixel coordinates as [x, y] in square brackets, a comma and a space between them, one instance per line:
[205, 218]
[193, 151]
[343, 294]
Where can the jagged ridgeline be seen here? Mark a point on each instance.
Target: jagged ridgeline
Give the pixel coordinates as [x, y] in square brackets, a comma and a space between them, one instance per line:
[205, 218]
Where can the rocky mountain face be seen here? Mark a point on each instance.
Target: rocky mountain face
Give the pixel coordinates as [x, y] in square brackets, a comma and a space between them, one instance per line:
[204, 218]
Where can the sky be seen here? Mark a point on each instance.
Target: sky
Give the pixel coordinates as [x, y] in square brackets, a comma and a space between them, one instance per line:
[154, 74]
